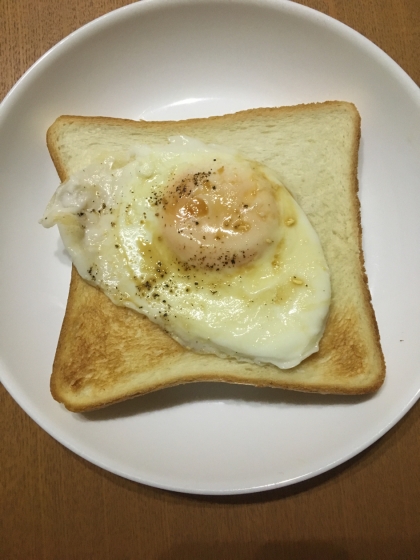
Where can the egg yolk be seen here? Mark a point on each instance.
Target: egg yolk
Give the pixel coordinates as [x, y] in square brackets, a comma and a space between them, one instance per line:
[220, 218]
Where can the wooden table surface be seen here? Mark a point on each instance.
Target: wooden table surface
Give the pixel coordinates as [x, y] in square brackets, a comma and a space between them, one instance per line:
[55, 505]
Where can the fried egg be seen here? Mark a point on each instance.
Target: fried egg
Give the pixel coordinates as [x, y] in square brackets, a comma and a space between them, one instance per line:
[203, 241]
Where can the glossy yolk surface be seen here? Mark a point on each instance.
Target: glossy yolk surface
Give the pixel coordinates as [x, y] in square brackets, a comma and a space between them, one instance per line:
[219, 218]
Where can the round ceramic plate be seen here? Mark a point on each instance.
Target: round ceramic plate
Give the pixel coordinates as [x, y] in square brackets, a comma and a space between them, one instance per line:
[175, 59]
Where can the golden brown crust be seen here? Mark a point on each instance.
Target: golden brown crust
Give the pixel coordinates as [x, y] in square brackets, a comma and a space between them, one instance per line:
[103, 346]
[107, 353]
[365, 291]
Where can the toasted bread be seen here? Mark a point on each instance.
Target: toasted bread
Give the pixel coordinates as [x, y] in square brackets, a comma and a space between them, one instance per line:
[108, 353]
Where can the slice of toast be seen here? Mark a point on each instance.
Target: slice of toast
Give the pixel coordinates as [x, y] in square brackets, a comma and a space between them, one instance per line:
[107, 353]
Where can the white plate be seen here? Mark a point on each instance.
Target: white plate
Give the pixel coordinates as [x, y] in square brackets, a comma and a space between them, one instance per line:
[175, 59]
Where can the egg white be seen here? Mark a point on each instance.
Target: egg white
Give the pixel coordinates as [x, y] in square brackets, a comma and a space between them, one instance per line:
[270, 308]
